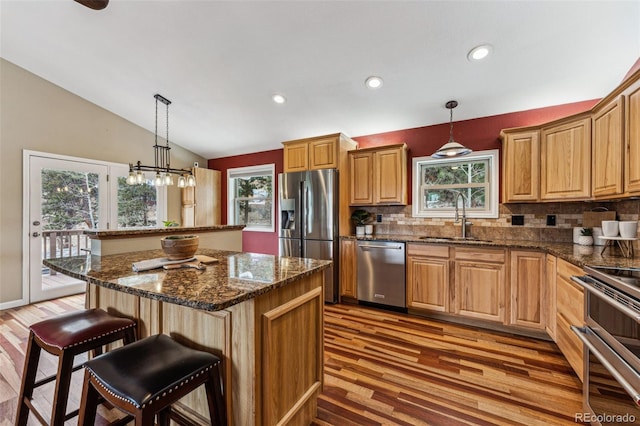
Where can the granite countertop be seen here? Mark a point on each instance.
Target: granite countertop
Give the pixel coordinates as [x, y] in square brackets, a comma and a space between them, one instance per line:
[236, 277]
[127, 233]
[572, 253]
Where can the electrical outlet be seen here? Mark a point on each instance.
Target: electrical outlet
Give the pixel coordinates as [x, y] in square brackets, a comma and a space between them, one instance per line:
[551, 220]
[378, 218]
[517, 220]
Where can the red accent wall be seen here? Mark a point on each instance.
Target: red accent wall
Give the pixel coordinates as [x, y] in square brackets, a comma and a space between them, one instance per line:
[478, 134]
[255, 242]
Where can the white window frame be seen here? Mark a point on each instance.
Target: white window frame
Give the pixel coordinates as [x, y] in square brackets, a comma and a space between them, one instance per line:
[261, 170]
[492, 196]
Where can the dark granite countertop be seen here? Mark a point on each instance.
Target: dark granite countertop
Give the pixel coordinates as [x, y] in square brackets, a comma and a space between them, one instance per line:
[147, 232]
[236, 277]
[572, 253]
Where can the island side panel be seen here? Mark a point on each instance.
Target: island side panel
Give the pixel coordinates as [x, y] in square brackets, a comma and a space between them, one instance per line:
[289, 364]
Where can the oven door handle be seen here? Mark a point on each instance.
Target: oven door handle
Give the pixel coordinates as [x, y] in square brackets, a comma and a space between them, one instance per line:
[613, 302]
[591, 340]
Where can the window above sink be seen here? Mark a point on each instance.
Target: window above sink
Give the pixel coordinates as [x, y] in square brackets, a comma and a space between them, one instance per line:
[436, 181]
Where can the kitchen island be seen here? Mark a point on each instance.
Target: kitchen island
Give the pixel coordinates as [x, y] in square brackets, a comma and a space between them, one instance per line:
[262, 314]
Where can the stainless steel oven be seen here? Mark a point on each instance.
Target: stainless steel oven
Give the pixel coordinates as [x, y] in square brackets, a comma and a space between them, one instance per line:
[612, 345]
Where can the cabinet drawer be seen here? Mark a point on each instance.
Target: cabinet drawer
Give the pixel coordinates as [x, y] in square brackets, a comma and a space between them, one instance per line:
[481, 255]
[570, 345]
[431, 250]
[566, 269]
[570, 301]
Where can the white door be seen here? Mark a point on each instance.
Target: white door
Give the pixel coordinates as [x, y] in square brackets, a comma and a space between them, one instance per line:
[66, 196]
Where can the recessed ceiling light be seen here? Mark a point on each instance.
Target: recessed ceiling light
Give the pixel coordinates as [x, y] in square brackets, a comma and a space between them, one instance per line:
[373, 82]
[278, 98]
[479, 52]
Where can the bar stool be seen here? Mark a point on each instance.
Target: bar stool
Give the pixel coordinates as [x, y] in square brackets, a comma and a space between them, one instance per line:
[66, 336]
[144, 378]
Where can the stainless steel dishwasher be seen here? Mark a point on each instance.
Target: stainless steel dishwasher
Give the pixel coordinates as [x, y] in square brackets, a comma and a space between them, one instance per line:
[381, 273]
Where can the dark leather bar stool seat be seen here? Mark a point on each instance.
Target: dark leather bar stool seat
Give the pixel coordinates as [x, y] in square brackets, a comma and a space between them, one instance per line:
[144, 378]
[66, 336]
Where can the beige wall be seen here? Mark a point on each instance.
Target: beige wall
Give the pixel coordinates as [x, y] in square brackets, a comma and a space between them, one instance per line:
[37, 115]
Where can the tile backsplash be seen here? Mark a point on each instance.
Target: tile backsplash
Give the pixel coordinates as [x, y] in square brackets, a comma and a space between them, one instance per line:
[398, 220]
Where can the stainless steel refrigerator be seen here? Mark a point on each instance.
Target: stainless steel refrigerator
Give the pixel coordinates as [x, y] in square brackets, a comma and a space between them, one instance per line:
[308, 205]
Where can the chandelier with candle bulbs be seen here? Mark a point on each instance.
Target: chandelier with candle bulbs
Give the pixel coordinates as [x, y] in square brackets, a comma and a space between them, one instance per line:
[162, 168]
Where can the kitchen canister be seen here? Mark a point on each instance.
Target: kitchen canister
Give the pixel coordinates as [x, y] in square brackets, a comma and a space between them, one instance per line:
[577, 232]
[628, 228]
[597, 233]
[610, 228]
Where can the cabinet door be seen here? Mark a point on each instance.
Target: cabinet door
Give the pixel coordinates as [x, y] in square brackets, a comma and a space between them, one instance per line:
[323, 154]
[550, 273]
[428, 277]
[348, 272]
[528, 295]
[521, 167]
[361, 169]
[390, 181]
[207, 197]
[565, 153]
[296, 157]
[480, 282]
[632, 134]
[607, 173]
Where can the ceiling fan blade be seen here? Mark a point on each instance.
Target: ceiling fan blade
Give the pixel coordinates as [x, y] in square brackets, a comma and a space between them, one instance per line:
[94, 4]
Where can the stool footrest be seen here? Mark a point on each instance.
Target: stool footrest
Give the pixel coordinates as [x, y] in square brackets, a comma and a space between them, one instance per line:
[51, 378]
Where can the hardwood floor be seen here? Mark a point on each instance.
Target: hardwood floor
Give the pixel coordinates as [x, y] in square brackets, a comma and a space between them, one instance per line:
[383, 368]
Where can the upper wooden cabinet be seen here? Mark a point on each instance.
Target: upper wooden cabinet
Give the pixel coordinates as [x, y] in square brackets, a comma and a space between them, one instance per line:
[632, 137]
[322, 152]
[608, 147]
[201, 204]
[378, 176]
[520, 166]
[528, 301]
[565, 160]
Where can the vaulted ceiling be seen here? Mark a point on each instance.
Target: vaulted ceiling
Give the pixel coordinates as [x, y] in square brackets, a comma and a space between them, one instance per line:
[219, 62]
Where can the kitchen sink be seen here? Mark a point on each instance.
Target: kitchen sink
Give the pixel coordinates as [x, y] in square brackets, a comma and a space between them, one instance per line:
[465, 239]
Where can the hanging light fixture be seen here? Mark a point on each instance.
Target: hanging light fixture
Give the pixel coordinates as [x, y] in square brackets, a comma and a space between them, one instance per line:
[162, 166]
[451, 148]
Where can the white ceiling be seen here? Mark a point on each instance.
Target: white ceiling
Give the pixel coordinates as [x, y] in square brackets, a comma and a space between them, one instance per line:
[220, 62]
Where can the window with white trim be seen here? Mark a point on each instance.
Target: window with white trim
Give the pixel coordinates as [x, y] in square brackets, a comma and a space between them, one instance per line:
[250, 197]
[436, 183]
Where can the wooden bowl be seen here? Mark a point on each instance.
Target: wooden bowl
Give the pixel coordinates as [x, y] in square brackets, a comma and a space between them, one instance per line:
[178, 247]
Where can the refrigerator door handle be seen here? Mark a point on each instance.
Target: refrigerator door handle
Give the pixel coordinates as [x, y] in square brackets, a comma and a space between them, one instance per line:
[308, 201]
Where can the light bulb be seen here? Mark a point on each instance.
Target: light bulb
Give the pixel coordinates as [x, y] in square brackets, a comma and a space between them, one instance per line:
[139, 177]
[158, 181]
[182, 182]
[167, 180]
[131, 179]
[191, 180]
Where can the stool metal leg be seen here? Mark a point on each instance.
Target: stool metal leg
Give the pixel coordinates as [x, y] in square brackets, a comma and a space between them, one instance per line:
[28, 380]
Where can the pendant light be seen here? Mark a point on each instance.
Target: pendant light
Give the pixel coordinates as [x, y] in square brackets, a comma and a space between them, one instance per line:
[451, 148]
[162, 165]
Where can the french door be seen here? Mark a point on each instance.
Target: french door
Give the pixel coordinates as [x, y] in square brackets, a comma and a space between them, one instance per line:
[65, 197]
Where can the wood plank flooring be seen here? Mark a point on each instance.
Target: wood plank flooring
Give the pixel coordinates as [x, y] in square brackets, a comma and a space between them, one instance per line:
[383, 368]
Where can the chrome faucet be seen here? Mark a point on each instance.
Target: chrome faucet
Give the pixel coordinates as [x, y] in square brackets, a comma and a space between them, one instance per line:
[464, 213]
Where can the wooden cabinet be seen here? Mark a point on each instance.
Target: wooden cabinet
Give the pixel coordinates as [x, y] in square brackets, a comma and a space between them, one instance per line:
[632, 137]
[201, 204]
[348, 277]
[527, 305]
[550, 273]
[480, 283]
[378, 176]
[520, 166]
[565, 160]
[569, 311]
[322, 152]
[428, 277]
[608, 144]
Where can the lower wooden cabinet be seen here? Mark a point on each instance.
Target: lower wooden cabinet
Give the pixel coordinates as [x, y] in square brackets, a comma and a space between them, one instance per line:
[480, 283]
[569, 311]
[550, 274]
[527, 304]
[348, 277]
[428, 277]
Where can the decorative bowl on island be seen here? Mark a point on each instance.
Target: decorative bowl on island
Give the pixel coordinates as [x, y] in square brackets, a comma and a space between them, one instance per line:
[179, 247]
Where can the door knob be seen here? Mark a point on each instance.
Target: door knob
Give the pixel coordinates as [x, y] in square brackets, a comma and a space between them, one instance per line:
[36, 223]
[36, 234]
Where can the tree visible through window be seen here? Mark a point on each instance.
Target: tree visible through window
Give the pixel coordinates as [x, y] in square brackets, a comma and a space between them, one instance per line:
[251, 197]
[69, 200]
[137, 204]
[437, 182]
